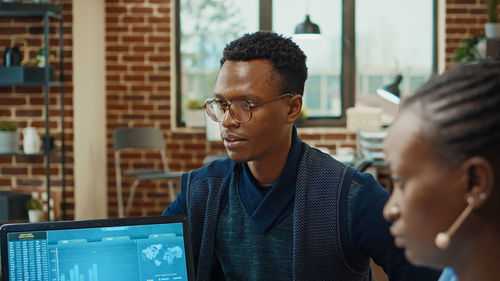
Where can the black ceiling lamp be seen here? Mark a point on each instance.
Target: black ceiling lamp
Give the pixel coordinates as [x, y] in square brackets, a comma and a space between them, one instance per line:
[307, 27]
[391, 91]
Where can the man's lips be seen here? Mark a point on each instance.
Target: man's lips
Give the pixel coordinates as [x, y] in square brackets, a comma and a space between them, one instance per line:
[229, 137]
[233, 141]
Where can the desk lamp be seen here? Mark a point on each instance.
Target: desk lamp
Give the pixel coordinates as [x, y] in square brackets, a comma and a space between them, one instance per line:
[391, 91]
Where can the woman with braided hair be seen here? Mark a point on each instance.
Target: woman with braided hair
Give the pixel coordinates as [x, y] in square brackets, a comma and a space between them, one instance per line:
[444, 156]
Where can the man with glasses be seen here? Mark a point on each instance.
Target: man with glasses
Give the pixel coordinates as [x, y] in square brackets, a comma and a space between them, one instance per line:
[276, 208]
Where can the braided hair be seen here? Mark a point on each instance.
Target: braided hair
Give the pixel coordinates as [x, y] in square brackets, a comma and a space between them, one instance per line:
[286, 58]
[461, 111]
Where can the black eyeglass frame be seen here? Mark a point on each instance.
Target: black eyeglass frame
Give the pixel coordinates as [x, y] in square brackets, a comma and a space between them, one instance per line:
[226, 105]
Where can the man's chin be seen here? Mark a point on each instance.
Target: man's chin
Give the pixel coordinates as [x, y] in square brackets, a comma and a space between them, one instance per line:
[238, 157]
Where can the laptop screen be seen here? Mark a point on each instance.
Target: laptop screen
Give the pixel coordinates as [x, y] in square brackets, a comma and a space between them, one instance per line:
[146, 249]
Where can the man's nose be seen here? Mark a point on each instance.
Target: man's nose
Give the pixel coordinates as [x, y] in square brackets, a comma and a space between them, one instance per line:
[228, 120]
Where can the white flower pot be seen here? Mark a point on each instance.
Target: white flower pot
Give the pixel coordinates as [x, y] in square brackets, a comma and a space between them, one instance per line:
[35, 215]
[195, 118]
[9, 142]
[492, 30]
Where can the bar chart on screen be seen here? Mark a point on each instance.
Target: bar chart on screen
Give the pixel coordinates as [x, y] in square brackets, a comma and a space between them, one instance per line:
[76, 275]
[113, 258]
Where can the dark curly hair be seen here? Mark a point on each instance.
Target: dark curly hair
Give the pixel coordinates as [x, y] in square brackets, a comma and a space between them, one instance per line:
[286, 58]
[461, 110]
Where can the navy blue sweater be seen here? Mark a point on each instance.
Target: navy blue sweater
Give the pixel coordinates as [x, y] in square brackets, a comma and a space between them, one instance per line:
[362, 231]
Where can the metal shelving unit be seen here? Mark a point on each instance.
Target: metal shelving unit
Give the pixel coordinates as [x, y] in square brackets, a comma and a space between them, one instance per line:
[47, 12]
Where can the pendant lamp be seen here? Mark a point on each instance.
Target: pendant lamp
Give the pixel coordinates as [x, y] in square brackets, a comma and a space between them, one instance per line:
[307, 27]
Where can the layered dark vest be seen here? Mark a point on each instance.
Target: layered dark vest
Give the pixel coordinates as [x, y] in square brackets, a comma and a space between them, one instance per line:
[321, 192]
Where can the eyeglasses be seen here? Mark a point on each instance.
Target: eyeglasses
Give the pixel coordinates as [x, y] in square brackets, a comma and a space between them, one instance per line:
[241, 111]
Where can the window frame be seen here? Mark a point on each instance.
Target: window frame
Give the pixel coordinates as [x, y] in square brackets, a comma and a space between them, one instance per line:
[348, 59]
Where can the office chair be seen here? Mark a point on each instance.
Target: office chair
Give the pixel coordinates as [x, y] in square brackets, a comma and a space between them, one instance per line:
[369, 147]
[133, 138]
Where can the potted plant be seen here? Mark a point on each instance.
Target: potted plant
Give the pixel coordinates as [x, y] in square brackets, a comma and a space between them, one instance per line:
[52, 140]
[194, 116]
[492, 27]
[468, 52]
[35, 210]
[9, 138]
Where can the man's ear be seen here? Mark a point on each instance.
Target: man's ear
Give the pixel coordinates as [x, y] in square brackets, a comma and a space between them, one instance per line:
[480, 177]
[295, 105]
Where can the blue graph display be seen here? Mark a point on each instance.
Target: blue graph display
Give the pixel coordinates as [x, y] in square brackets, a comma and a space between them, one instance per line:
[131, 253]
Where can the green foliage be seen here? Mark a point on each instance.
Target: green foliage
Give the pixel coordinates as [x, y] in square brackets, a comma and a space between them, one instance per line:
[8, 126]
[303, 114]
[468, 52]
[194, 104]
[492, 10]
[34, 204]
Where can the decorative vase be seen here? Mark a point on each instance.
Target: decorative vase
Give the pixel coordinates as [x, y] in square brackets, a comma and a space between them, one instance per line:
[31, 141]
[35, 215]
[492, 30]
[9, 142]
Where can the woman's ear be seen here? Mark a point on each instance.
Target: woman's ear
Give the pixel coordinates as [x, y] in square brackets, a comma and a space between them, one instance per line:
[295, 105]
[480, 177]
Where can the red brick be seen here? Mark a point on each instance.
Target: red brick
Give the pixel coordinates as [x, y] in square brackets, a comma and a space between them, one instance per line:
[133, 38]
[143, 10]
[28, 113]
[159, 116]
[116, 67]
[142, 107]
[142, 29]
[111, 19]
[133, 58]
[133, 116]
[164, 10]
[134, 78]
[13, 171]
[12, 30]
[142, 88]
[5, 182]
[160, 97]
[132, 19]
[456, 11]
[12, 101]
[143, 68]
[43, 171]
[29, 182]
[115, 10]
[6, 159]
[159, 39]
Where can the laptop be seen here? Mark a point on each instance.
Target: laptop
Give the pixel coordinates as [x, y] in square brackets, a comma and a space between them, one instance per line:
[145, 249]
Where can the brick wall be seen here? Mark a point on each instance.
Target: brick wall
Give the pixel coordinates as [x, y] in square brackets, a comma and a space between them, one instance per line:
[464, 19]
[25, 105]
[138, 73]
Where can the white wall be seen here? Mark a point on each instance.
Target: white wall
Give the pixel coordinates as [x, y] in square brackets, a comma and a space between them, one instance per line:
[89, 104]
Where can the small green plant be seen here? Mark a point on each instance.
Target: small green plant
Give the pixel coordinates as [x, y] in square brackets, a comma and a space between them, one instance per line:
[194, 104]
[8, 126]
[34, 204]
[303, 114]
[492, 10]
[468, 52]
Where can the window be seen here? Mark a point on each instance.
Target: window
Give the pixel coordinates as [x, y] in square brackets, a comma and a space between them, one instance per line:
[392, 41]
[389, 40]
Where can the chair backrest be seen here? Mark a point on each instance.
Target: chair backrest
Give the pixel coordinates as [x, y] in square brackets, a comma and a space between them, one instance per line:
[369, 144]
[142, 137]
